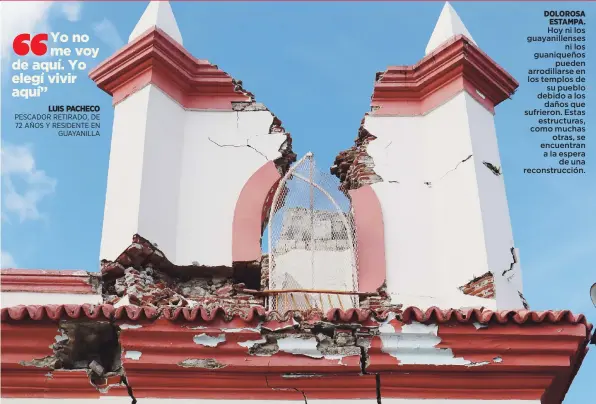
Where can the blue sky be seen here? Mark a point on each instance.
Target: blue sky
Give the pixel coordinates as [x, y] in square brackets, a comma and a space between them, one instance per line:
[313, 65]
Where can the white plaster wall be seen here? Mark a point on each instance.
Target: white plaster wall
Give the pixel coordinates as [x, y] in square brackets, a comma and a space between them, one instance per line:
[222, 150]
[10, 299]
[158, 211]
[496, 219]
[141, 195]
[123, 193]
[441, 235]
[331, 269]
[175, 175]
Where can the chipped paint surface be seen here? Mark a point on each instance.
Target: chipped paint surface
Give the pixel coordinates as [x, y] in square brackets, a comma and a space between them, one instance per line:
[202, 363]
[134, 355]
[130, 326]
[416, 344]
[299, 375]
[206, 340]
[299, 346]
[61, 337]
[251, 343]
[237, 330]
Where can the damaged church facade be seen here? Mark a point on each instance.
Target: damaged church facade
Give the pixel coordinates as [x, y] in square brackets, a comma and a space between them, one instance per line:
[252, 275]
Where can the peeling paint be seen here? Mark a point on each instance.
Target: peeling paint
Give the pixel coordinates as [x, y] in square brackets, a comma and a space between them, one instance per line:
[130, 326]
[199, 327]
[498, 359]
[416, 344]
[300, 346]
[266, 348]
[206, 340]
[235, 330]
[134, 355]
[472, 364]
[202, 363]
[46, 362]
[61, 337]
[251, 343]
[478, 326]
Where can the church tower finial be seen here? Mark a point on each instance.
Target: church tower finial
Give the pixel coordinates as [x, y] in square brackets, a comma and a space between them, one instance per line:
[158, 14]
[448, 26]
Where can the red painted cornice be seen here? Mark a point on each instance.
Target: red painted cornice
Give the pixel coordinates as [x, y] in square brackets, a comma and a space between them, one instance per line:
[457, 65]
[527, 362]
[46, 281]
[523, 355]
[155, 58]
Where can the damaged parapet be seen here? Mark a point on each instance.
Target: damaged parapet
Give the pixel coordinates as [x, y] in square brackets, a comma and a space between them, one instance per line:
[143, 276]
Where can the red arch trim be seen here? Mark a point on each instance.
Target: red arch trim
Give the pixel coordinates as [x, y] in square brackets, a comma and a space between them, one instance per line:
[248, 214]
[370, 238]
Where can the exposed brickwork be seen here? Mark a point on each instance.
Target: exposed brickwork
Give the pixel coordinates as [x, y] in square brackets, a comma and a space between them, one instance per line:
[143, 276]
[142, 253]
[153, 288]
[482, 286]
[354, 167]
[382, 301]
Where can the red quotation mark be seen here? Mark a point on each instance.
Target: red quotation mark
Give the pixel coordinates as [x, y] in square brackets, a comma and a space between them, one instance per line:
[21, 46]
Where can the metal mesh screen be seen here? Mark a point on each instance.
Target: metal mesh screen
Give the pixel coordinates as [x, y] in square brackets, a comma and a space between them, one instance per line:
[311, 242]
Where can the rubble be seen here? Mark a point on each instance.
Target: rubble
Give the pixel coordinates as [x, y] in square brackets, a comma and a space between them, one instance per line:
[355, 167]
[143, 276]
[481, 286]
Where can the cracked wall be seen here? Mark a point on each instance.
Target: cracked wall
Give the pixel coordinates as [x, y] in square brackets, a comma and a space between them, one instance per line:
[176, 173]
[434, 184]
[221, 152]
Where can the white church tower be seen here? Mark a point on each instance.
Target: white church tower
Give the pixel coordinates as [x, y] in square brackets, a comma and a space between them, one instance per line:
[433, 163]
[186, 140]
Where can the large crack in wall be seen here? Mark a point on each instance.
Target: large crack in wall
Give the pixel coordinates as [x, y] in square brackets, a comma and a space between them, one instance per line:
[287, 155]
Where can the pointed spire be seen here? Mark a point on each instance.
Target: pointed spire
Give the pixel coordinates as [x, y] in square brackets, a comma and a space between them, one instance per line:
[157, 14]
[448, 26]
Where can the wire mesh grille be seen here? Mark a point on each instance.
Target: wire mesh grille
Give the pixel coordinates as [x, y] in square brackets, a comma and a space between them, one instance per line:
[311, 242]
